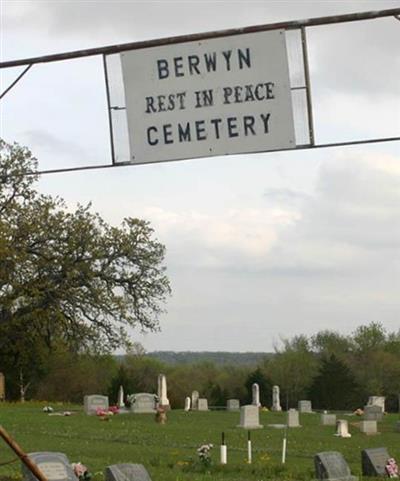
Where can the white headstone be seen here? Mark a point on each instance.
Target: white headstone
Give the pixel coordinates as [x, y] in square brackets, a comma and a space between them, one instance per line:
[162, 391]
[369, 427]
[293, 419]
[250, 417]
[305, 406]
[120, 403]
[276, 403]
[232, 405]
[195, 400]
[94, 402]
[255, 390]
[187, 403]
[328, 419]
[377, 401]
[143, 403]
[202, 404]
[342, 428]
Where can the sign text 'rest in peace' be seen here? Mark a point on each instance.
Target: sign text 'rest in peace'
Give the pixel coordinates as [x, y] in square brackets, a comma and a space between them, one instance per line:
[213, 97]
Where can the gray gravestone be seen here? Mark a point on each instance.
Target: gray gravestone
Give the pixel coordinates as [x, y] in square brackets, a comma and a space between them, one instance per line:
[143, 402]
[293, 419]
[250, 417]
[373, 461]
[331, 466]
[202, 404]
[55, 466]
[126, 472]
[369, 427]
[305, 406]
[233, 405]
[328, 419]
[397, 427]
[373, 413]
[94, 402]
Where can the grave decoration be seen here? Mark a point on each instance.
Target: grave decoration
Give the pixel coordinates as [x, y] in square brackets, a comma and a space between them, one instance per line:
[392, 469]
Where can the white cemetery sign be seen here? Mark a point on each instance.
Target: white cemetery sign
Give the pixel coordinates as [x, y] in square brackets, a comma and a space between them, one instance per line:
[211, 97]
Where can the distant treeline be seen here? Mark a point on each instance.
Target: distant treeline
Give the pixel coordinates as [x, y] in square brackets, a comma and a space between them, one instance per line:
[334, 371]
[219, 358]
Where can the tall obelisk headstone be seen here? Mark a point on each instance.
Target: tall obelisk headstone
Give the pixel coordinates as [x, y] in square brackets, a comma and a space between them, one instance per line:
[255, 389]
[120, 402]
[163, 400]
[276, 403]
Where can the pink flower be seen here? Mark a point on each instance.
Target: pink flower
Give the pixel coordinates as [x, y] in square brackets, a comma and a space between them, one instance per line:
[79, 469]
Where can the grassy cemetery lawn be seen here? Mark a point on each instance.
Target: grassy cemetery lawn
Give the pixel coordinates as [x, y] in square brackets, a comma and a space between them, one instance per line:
[169, 451]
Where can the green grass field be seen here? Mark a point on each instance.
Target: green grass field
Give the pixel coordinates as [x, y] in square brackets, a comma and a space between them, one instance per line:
[169, 451]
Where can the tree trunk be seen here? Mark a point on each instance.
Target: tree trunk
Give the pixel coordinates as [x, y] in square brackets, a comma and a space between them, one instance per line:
[22, 387]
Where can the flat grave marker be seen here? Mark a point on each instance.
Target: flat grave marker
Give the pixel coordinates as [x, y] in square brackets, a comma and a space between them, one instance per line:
[126, 472]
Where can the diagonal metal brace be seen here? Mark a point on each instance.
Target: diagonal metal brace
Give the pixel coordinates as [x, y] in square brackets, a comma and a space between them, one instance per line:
[16, 81]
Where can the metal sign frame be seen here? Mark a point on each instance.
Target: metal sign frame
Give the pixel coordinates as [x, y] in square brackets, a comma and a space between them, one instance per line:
[301, 25]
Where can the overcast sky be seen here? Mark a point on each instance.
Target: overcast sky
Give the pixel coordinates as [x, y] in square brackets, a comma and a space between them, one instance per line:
[259, 246]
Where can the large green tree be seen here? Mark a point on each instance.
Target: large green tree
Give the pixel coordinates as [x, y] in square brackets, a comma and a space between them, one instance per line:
[66, 276]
